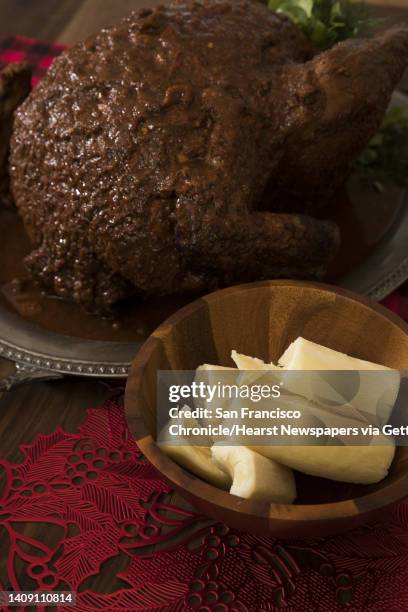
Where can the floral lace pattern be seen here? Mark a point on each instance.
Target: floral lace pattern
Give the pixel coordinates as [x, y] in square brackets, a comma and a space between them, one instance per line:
[99, 498]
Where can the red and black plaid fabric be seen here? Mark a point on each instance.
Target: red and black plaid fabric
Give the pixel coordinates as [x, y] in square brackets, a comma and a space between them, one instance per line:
[39, 55]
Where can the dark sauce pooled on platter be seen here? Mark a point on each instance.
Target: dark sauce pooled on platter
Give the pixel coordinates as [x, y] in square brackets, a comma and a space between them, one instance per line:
[134, 320]
[364, 218]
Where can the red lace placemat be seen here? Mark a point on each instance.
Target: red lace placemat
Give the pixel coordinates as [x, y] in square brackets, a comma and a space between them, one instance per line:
[96, 482]
[99, 498]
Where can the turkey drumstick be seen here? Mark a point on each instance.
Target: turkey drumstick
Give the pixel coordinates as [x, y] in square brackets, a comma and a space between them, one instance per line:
[332, 106]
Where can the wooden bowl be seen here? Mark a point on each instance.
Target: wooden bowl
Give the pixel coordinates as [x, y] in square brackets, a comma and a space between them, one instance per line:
[262, 319]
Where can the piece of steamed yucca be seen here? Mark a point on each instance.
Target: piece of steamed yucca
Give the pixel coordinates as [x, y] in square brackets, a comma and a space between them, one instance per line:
[195, 458]
[254, 476]
[358, 464]
[212, 375]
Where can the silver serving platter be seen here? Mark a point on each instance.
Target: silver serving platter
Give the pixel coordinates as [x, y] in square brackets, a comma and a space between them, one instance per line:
[386, 268]
[28, 344]
[37, 351]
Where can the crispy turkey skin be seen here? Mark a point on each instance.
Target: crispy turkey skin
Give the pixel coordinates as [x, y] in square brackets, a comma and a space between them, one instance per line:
[169, 153]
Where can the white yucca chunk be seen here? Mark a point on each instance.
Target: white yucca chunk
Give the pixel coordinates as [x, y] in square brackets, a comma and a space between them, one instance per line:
[270, 374]
[356, 464]
[211, 375]
[373, 396]
[207, 367]
[288, 403]
[196, 459]
[244, 362]
[254, 476]
[253, 368]
[304, 354]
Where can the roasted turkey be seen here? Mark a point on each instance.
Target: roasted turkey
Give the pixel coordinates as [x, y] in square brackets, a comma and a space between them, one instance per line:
[188, 148]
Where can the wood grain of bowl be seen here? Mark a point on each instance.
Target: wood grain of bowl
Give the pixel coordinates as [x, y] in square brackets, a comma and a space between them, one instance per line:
[262, 319]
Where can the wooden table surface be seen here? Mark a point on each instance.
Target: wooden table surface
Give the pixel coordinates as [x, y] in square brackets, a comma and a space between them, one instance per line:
[41, 407]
